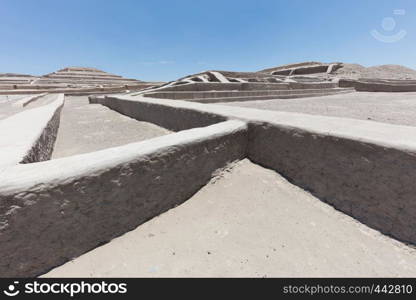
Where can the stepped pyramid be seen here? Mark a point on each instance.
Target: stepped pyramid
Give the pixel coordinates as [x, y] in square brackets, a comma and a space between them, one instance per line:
[83, 77]
[70, 80]
[13, 78]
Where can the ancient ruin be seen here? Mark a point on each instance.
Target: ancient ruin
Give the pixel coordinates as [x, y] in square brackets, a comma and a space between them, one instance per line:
[300, 170]
[72, 80]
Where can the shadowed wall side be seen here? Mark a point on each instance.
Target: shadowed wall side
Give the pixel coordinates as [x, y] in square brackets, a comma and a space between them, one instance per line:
[168, 117]
[374, 184]
[53, 211]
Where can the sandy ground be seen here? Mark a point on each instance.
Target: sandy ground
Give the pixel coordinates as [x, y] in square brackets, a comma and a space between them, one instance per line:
[7, 108]
[247, 222]
[7, 98]
[88, 127]
[42, 101]
[394, 108]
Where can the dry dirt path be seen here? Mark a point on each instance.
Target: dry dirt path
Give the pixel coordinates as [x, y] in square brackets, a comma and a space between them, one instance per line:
[88, 127]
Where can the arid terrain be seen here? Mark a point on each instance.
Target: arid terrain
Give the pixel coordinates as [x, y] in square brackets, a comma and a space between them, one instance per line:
[299, 170]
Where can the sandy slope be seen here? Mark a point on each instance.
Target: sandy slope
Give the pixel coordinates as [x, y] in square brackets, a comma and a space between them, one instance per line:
[356, 71]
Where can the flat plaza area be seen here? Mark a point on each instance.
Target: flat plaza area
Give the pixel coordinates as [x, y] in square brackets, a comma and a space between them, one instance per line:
[9, 104]
[393, 108]
[88, 127]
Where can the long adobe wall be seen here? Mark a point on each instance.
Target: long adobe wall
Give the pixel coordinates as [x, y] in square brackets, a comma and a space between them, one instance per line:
[56, 210]
[246, 86]
[37, 89]
[226, 96]
[293, 95]
[210, 86]
[363, 168]
[27, 100]
[29, 136]
[370, 181]
[166, 116]
[379, 86]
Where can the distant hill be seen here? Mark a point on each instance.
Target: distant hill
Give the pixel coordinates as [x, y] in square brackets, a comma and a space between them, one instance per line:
[353, 71]
[356, 71]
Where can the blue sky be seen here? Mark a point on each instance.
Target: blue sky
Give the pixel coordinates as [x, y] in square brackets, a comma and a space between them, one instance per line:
[164, 40]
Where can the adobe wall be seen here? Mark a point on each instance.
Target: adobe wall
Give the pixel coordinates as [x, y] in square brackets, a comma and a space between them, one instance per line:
[222, 96]
[302, 70]
[37, 89]
[163, 115]
[29, 136]
[27, 100]
[363, 168]
[380, 86]
[371, 182]
[53, 211]
[320, 85]
[217, 86]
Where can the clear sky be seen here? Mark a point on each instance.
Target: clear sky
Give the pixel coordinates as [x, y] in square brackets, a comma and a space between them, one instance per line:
[164, 40]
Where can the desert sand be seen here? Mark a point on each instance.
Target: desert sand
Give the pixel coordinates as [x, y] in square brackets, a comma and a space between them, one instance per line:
[393, 108]
[88, 127]
[248, 221]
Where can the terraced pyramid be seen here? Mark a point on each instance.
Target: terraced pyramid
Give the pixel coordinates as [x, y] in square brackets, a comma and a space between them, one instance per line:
[13, 78]
[74, 80]
[83, 77]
